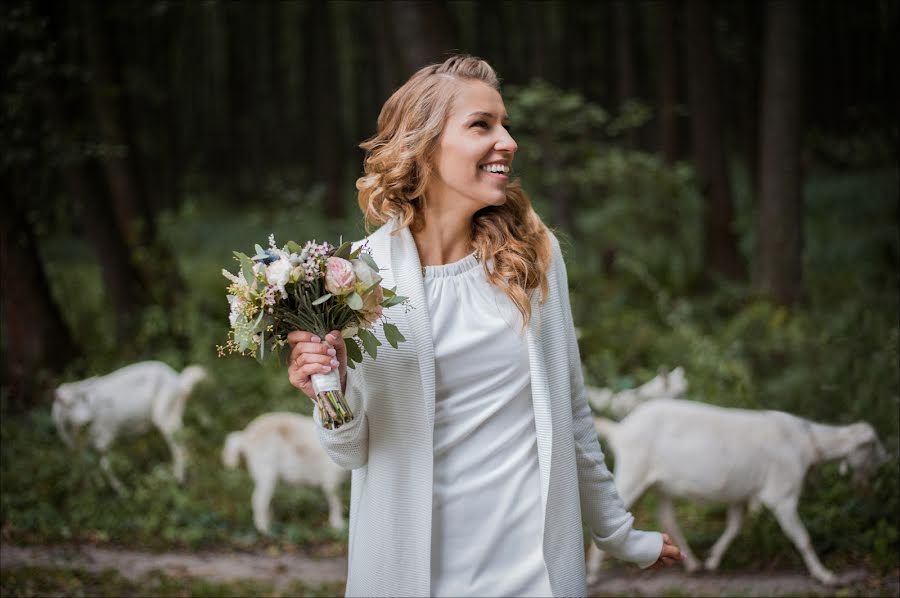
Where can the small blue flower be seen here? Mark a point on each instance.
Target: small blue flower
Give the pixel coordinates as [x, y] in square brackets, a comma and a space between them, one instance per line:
[266, 257]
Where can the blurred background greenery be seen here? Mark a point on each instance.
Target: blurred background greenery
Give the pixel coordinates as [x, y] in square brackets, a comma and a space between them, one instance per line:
[723, 177]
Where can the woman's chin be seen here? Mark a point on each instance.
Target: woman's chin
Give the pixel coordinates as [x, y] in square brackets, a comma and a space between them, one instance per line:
[494, 199]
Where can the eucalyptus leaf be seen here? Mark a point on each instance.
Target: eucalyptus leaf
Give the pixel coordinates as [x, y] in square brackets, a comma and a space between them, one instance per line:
[368, 259]
[354, 354]
[393, 334]
[246, 267]
[354, 301]
[343, 251]
[392, 301]
[292, 247]
[370, 343]
[323, 299]
[242, 338]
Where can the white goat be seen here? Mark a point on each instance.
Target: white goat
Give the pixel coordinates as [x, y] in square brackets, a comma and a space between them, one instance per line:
[619, 404]
[127, 402]
[702, 452]
[284, 446]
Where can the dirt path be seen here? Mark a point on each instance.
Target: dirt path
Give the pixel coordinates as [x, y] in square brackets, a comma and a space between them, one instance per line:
[278, 569]
[283, 569]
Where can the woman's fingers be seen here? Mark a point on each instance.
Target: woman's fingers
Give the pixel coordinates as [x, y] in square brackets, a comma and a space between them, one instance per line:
[335, 339]
[313, 350]
[669, 555]
[309, 355]
[300, 336]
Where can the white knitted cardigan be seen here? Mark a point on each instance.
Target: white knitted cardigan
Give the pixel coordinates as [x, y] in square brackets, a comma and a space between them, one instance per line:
[388, 445]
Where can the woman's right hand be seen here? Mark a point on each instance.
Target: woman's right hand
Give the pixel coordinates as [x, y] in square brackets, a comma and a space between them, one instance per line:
[309, 355]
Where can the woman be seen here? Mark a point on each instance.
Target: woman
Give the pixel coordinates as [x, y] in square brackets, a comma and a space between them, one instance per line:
[473, 451]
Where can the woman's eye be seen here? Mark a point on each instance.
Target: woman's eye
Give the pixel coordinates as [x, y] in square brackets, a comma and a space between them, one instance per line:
[480, 123]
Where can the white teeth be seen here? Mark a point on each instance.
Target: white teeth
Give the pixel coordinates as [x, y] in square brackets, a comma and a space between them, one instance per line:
[500, 168]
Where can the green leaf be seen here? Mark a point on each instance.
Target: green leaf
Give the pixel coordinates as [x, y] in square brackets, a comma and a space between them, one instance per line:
[371, 288]
[368, 259]
[292, 247]
[395, 300]
[246, 267]
[354, 354]
[242, 338]
[393, 334]
[343, 251]
[356, 252]
[261, 351]
[370, 343]
[389, 292]
[354, 301]
[323, 299]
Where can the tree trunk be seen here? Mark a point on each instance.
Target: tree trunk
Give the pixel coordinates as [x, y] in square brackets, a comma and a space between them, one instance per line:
[778, 271]
[625, 80]
[135, 218]
[327, 129]
[421, 31]
[132, 209]
[667, 61]
[122, 280]
[35, 334]
[720, 242]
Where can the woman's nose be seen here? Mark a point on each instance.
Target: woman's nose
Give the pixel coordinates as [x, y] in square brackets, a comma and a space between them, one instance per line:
[506, 143]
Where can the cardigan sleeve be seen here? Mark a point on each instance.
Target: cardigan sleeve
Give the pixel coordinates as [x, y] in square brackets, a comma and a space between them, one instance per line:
[348, 446]
[610, 524]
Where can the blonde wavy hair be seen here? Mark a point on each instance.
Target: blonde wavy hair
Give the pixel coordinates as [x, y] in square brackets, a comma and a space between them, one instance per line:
[400, 161]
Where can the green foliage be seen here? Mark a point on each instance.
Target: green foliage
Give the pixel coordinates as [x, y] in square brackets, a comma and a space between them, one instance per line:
[627, 203]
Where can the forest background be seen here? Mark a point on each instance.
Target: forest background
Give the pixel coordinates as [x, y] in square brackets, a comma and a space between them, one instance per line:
[723, 175]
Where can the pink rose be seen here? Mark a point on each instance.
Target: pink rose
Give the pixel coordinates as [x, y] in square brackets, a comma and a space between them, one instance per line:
[339, 276]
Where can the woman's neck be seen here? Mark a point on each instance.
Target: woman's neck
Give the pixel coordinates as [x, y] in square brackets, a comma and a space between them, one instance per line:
[443, 238]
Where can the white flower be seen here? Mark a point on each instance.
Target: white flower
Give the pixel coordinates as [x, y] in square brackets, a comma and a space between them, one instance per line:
[278, 273]
[365, 276]
[237, 309]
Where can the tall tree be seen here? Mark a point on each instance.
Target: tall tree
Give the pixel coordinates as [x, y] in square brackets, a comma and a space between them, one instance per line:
[778, 269]
[626, 85]
[63, 110]
[422, 31]
[720, 241]
[324, 89]
[667, 78]
[35, 337]
[82, 182]
[35, 333]
[121, 163]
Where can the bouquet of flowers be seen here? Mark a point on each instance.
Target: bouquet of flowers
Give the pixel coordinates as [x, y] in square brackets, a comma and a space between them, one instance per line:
[317, 288]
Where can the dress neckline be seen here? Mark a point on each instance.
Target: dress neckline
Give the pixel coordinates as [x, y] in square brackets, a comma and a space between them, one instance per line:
[452, 269]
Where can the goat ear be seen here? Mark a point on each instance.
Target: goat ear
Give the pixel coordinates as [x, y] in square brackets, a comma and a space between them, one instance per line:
[843, 467]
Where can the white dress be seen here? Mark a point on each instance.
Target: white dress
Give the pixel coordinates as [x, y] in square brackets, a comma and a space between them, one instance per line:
[487, 521]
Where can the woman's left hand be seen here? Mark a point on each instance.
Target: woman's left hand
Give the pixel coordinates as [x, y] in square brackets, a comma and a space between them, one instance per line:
[669, 555]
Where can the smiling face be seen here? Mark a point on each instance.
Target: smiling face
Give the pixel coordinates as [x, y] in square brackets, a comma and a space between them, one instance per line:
[475, 152]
